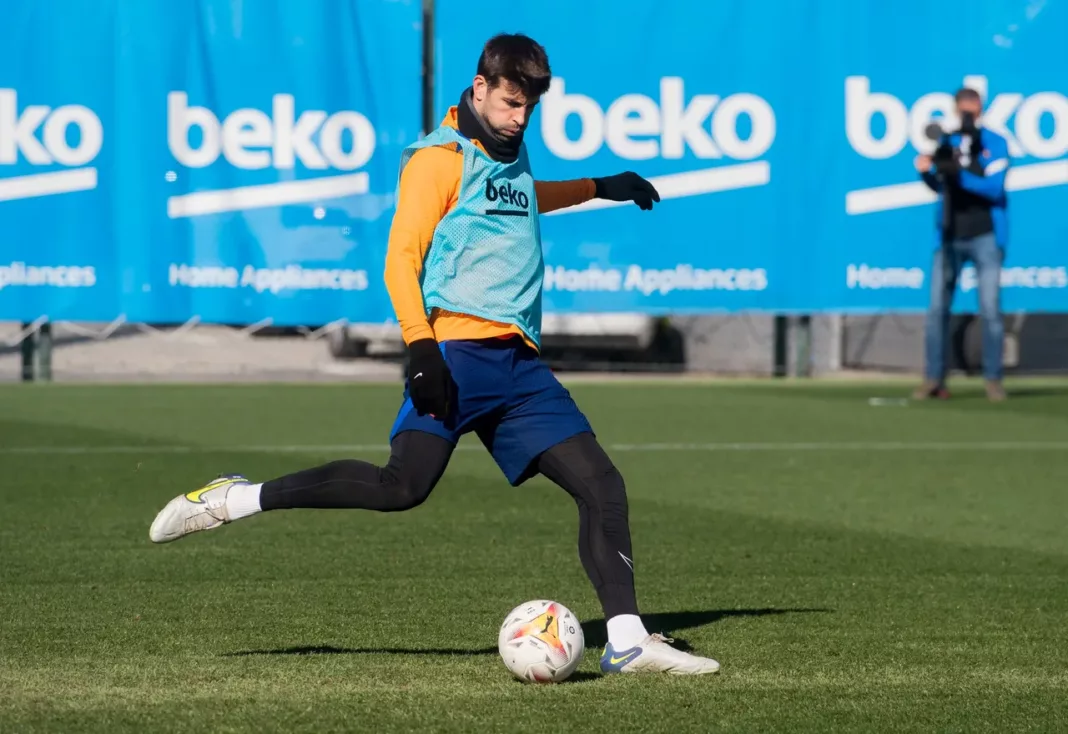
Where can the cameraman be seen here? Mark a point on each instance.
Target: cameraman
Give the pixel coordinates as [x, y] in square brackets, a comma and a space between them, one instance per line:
[968, 170]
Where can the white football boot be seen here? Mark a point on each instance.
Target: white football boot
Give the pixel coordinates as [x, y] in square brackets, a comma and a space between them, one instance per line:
[655, 655]
[201, 509]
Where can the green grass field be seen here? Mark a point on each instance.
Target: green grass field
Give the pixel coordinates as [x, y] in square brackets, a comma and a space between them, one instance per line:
[852, 567]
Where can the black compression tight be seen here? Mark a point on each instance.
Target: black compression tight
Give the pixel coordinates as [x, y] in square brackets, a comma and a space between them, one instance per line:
[582, 468]
[417, 462]
[579, 465]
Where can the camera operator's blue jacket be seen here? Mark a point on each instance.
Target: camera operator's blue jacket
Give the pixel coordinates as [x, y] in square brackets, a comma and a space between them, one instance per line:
[994, 159]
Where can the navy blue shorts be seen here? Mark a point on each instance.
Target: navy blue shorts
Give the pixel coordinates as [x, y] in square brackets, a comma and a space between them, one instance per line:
[508, 397]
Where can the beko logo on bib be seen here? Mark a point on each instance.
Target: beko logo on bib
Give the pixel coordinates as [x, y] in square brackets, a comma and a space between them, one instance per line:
[39, 135]
[504, 194]
[252, 140]
[637, 127]
[1016, 117]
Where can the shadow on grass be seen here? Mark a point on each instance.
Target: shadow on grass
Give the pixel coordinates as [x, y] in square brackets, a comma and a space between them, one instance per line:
[330, 650]
[594, 631]
[667, 622]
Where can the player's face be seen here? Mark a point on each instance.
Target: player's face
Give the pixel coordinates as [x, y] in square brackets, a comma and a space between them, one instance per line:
[505, 108]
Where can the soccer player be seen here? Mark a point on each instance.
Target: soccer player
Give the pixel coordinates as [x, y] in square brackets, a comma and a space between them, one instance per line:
[464, 270]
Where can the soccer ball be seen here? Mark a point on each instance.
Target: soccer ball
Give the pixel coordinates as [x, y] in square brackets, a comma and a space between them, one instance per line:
[541, 642]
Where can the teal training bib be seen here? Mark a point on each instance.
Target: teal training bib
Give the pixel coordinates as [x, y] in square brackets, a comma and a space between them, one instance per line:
[485, 259]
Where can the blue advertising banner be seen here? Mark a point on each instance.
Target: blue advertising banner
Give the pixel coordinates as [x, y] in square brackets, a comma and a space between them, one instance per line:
[782, 137]
[231, 161]
[237, 161]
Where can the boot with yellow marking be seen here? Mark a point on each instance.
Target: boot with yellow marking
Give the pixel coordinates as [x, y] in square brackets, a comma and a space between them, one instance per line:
[202, 509]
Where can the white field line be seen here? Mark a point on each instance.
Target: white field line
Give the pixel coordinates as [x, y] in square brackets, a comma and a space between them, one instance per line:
[830, 446]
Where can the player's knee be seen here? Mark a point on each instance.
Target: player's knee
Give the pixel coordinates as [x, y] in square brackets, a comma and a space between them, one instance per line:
[407, 490]
[415, 466]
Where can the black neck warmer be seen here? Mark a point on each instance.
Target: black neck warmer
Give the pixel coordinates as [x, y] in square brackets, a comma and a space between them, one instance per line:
[471, 124]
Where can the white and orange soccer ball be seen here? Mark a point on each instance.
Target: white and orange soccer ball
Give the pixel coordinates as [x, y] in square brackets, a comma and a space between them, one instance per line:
[541, 642]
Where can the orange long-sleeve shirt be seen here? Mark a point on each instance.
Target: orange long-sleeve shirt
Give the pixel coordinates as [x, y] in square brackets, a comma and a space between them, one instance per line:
[429, 189]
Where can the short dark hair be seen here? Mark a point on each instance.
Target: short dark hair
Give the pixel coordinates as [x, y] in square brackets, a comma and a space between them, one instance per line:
[967, 94]
[518, 59]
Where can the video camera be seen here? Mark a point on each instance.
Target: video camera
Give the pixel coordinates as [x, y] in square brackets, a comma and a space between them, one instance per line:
[946, 158]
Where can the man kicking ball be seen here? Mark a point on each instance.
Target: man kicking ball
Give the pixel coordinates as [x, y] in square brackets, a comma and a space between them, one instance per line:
[464, 271]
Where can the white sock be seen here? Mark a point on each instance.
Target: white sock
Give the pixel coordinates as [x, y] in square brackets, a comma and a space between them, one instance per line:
[625, 631]
[243, 500]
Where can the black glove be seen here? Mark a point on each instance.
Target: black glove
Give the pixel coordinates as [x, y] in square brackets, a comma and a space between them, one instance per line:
[430, 383]
[627, 186]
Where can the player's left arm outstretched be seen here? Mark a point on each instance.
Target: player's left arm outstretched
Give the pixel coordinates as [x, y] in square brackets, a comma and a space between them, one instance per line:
[627, 186]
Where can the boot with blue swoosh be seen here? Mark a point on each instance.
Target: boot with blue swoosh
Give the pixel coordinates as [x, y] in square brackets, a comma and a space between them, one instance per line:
[201, 509]
[655, 655]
